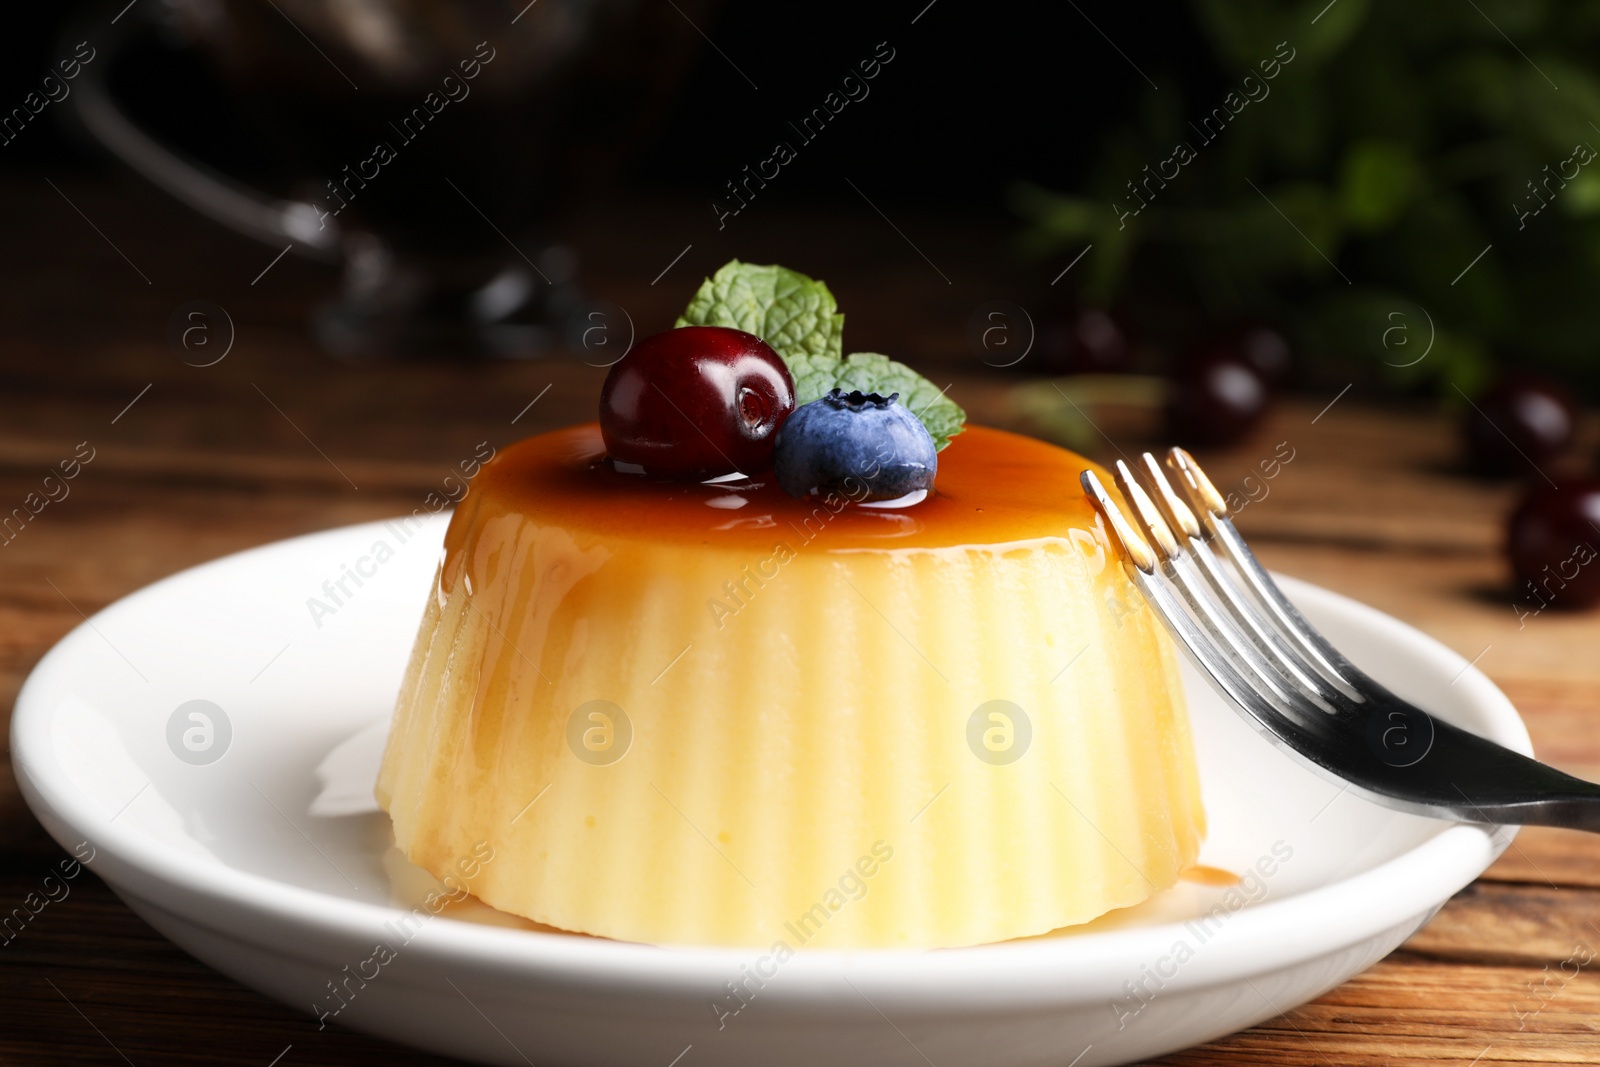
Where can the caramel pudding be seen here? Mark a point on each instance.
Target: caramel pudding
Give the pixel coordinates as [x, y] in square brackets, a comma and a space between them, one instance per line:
[715, 714]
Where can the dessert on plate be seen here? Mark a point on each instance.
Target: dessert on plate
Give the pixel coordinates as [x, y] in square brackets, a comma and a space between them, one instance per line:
[758, 660]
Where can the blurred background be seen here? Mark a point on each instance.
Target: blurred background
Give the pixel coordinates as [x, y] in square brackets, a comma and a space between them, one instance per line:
[1390, 146]
[1103, 189]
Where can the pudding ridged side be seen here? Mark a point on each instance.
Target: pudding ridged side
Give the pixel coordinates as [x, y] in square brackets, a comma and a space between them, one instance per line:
[800, 767]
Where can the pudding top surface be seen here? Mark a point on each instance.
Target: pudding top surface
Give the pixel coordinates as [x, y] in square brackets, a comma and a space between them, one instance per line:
[993, 488]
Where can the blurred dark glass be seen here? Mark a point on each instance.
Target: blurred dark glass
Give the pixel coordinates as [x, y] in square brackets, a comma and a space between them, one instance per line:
[970, 105]
[548, 102]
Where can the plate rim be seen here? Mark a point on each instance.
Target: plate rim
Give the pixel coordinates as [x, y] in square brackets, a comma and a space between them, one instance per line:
[1371, 902]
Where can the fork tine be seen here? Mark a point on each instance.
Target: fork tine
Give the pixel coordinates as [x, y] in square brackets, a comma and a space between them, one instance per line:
[1141, 568]
[1228, 637]
[1137, 548]
[1196, 640]
[1328, 661]
[1289, 662]
[1429, 771]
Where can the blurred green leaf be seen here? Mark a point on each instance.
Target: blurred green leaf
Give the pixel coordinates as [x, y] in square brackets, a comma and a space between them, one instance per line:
[1456, 363]
[1475, 84]
[1062, 222]
[1245, 32]
[1413, 145]
[1378, 181]
[1297, 224]
[1506, 17]
[1066, 410]
[1581, 198]
[1337, 27]
[1555, 120]
[1056, 218]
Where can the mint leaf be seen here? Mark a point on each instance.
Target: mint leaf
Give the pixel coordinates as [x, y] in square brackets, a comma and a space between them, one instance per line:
[874, 373]
[799, 318]
[794, 314]
[813, 376]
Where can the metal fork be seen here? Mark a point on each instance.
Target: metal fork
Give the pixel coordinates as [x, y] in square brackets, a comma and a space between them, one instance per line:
[1297, 689]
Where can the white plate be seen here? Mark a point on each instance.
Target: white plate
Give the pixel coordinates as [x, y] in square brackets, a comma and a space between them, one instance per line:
[272, 864]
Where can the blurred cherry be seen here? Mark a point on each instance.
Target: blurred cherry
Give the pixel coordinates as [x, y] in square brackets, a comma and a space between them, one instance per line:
[1262, 347]
[1086, 340]
[1524, 420]
[1217, 398]
[1552, 539]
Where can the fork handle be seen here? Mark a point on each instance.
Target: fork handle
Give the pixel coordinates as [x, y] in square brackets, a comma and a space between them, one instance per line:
[1480, 781]
[1507, 787]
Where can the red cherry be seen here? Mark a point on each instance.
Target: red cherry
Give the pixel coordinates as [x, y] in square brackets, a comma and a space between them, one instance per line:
[1524, 420]
[1086, 340]
[1553, 543]
[1217, 398]
[698, 401]
[1265, 349]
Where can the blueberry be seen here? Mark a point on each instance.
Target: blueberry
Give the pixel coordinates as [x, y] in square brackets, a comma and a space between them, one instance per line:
[860, 445]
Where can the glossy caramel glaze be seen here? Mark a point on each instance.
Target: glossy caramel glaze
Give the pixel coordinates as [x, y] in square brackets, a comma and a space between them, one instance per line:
[993, 488]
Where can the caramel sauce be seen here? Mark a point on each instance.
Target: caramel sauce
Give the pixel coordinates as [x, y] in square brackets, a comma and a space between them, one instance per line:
[993, 488]
[1213, 876]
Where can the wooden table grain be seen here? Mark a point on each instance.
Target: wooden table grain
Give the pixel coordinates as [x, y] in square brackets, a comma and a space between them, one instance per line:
[277, 440]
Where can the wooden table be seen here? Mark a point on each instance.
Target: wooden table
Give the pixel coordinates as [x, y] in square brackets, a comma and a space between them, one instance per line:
[267, 443]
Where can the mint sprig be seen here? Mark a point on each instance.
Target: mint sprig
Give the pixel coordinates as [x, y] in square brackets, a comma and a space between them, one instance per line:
[799, 318]
[794, 314]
